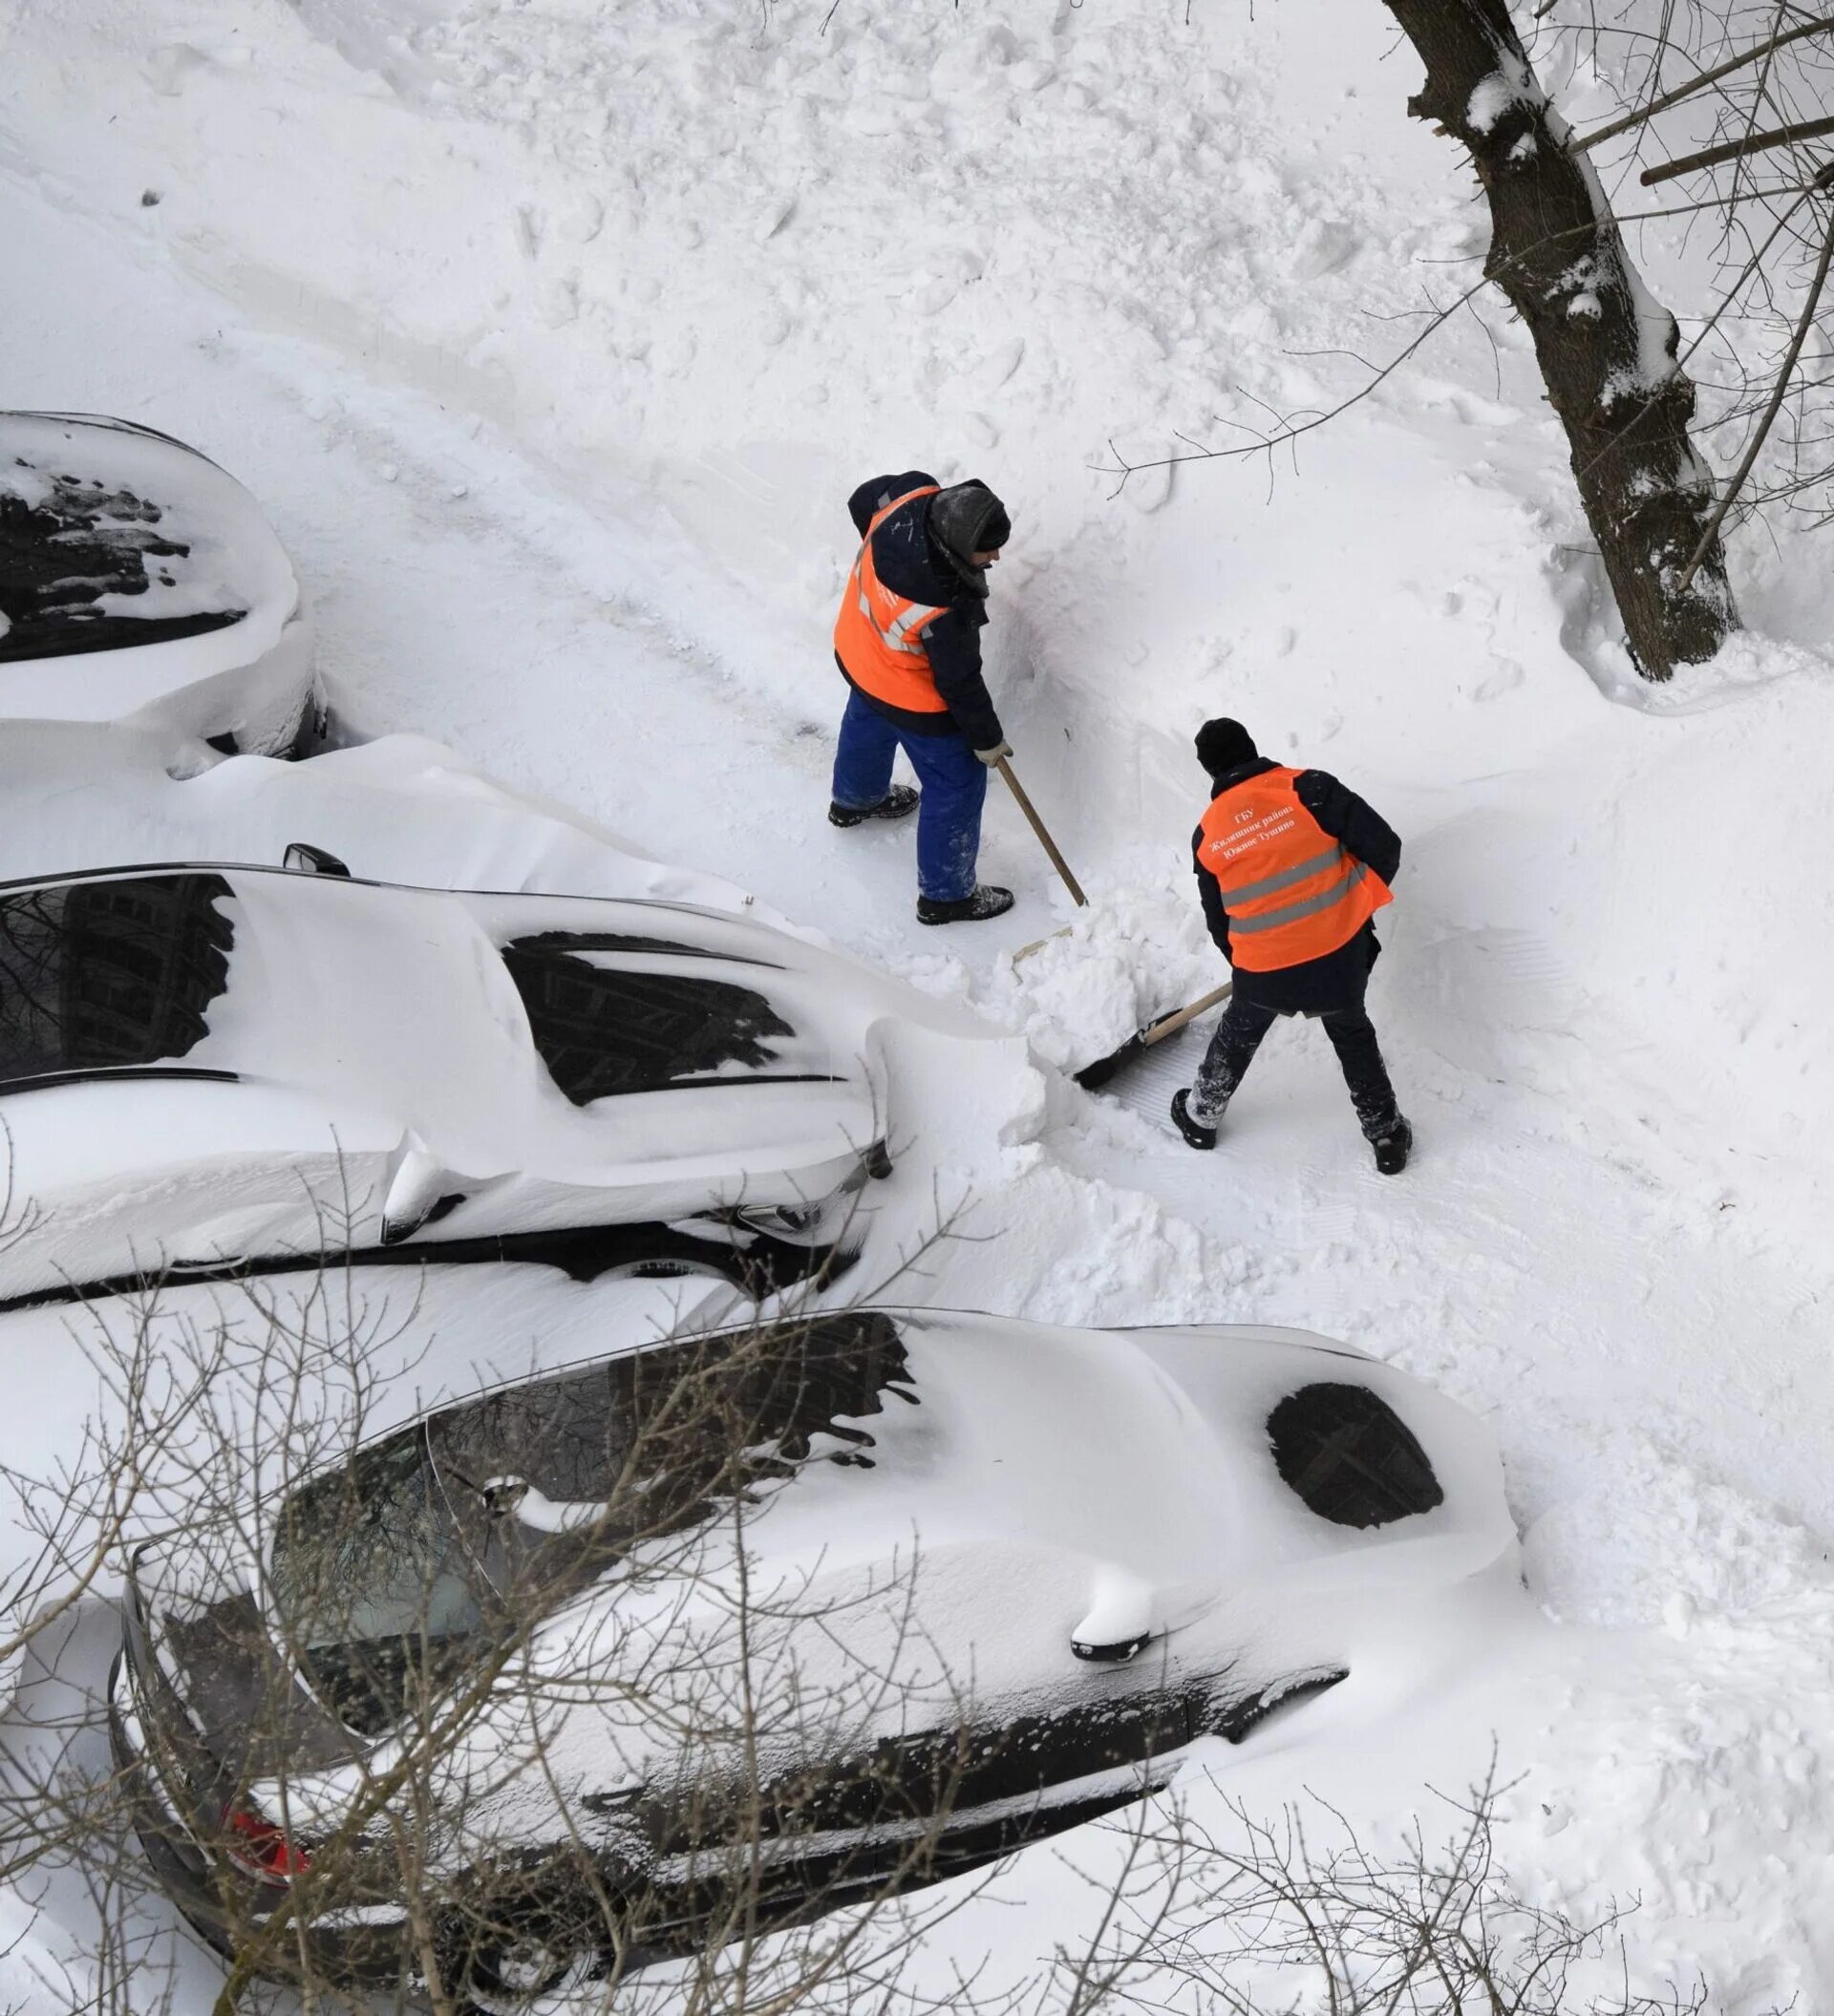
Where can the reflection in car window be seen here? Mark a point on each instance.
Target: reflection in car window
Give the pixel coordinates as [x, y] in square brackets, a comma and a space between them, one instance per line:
[109, 974]
[1350, 1456]
[67, 544]
[602, 1032]
[396, 1573]
[689, 1418]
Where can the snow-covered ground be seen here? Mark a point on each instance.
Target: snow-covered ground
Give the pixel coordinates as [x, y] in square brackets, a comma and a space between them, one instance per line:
[553, 336]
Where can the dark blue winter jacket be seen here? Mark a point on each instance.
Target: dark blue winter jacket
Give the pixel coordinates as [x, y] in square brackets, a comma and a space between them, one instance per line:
[910, 563]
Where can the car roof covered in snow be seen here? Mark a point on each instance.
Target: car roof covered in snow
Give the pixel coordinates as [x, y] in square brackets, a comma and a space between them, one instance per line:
[507, 1031]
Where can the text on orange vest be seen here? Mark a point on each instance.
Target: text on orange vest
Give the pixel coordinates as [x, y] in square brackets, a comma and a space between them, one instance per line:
[1292, 892]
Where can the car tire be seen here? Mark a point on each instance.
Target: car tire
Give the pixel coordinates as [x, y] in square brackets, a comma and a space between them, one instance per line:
[526, 1978]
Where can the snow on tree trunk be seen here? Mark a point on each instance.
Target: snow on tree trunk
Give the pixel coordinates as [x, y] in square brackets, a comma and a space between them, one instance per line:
[1606, 350]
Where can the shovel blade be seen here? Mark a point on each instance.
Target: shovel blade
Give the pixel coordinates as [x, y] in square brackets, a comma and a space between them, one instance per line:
[1092, 1077]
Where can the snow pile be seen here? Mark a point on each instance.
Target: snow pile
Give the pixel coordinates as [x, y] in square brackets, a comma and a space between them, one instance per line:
[400, 809]
[1136, 953]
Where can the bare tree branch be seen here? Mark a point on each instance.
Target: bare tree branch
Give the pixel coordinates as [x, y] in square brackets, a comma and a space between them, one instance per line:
[1699, 83]
[1777, 392]
[1737, 150]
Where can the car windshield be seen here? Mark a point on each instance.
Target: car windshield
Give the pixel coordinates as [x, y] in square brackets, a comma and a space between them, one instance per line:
[383, 1590]
[108, 975]
[603, 1030]
[425, 1555]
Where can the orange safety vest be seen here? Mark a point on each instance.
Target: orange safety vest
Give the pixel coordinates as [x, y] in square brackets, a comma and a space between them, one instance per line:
[879, 635]
[1292, 893]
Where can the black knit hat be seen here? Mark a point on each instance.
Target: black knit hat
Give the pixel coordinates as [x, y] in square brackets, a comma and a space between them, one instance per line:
[1223, 745]
[968, 519]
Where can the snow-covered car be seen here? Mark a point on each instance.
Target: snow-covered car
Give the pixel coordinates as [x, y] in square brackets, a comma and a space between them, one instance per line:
[805, 1611]
[219, 1070]
[139, 582]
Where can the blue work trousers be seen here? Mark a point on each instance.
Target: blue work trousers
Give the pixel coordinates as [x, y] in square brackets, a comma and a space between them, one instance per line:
[955, 786]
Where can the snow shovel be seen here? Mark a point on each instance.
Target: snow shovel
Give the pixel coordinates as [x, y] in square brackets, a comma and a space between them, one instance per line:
[1098, 1073]
[1050, 846]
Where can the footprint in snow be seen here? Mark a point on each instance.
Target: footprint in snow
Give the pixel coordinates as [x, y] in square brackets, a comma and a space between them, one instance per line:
[1504, 679]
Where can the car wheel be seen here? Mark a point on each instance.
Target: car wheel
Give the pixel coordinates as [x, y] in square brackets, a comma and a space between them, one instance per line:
[527, 1977]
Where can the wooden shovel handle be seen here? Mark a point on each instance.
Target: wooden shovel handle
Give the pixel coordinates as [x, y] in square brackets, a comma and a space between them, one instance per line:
[1170, 1025]
[1045, 840]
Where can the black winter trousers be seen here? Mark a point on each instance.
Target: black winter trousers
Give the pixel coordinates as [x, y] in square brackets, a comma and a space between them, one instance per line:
[1353, 1036]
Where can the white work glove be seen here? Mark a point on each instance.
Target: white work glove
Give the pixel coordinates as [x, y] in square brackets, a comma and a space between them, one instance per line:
[990, 757]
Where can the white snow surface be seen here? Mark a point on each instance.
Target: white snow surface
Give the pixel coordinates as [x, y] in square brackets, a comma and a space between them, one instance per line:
[552, 338]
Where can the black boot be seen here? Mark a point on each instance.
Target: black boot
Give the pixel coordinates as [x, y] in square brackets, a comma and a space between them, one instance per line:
[898, 803]
[1195, 1136]
[1392, 1148]
[986, 902]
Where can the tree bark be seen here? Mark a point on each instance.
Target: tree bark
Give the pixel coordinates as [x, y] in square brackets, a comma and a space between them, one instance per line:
[1606, 349]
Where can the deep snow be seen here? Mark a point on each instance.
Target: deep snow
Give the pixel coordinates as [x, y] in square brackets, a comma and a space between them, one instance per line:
[552, 338]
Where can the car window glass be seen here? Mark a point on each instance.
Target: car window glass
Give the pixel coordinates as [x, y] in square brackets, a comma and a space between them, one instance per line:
[401, 1570]
[67, 543]
[384, 1588]
[656, 1433]
[110, 974]
[1349, 1457]
[601, 1031]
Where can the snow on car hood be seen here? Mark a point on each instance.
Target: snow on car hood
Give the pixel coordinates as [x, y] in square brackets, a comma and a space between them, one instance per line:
[1057, 1484]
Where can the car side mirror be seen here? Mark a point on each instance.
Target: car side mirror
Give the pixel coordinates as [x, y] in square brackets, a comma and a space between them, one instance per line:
[1111, 1651]
[304, 859]
[502, 1496]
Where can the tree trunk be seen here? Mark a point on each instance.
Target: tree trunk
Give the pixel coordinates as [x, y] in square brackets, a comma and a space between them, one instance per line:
[1606, 349]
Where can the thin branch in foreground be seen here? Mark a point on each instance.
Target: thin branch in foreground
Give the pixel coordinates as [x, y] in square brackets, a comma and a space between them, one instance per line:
[1777, 394]
[1698, 83]
[1289, 431]
[1737, 150]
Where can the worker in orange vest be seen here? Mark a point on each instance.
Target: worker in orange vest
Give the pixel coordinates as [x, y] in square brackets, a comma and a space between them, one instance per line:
[908, 643]
[1291, 867]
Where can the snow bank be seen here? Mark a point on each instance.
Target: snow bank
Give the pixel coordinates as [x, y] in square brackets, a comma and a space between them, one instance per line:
[400, 809]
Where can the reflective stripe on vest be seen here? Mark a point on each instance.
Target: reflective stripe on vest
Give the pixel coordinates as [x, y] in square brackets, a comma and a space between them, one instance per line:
[878, 634]
[1292, 892]
[1306, 906]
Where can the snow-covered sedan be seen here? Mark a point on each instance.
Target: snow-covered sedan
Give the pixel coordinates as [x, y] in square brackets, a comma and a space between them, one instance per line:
[138, 582]
[723, 1631]
[217, 1070]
